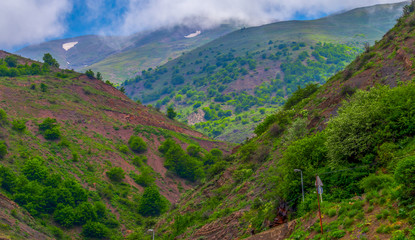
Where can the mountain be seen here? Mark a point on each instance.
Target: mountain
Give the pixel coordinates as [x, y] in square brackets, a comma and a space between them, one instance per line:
[356, 132]
[226, 87]
[120, 58]
[75, 151]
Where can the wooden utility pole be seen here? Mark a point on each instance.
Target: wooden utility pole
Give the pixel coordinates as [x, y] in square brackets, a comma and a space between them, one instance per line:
[318, 185]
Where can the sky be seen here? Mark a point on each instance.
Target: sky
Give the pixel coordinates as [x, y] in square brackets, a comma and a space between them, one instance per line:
[24, 22]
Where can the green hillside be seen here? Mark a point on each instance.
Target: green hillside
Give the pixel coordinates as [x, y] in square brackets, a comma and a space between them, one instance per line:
[79, 159]
[229, 85]
[356, 132]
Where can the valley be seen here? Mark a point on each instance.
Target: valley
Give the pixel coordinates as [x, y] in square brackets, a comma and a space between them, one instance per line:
[216, 133]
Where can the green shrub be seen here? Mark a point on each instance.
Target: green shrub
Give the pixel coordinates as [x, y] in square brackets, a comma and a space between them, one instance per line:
[242, 175]
[94, 230]
[332, 212]
[181, 163]
[376, 182]
[65, 216]
[3, 116]
[336, 234]
[43, 87]
[152, 203]
[145, 179]
[34, 169]
[3, 149]
[116, 174]
[123, 149]
[75, 157]
[139, 160]
[405, 175]
[193, 150]
[52, 134]
[19, 125]
[85, 212]
[50, 129]
[137, 144]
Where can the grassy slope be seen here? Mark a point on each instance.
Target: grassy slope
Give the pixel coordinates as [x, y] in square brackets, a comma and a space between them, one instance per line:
[351, 29]
[241, 202]
[95, 120]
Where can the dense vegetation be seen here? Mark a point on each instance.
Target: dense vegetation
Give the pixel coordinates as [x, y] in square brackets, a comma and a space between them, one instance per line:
[206, 85]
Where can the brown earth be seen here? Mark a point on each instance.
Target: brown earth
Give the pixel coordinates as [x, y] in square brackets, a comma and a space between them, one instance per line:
[16, 222]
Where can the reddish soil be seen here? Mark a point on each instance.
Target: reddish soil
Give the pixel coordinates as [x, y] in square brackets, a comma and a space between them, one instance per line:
[17, 221]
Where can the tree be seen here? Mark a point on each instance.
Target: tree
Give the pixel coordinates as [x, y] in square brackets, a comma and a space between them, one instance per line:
[99, 76]
[89, 73]
[137, 144]
[3, 149]
[171, 113]
[152, 203]
[11, 61]
[49, 60]
[116, 174]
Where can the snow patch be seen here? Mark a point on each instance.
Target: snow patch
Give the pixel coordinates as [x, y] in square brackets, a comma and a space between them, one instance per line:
[192, 35]
[69, 45]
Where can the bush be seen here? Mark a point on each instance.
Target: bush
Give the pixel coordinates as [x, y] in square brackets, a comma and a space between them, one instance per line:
[94, 230]
[85, 212]
[3, 149]
[123, 149]
[34, 169]
[405, 175]
[193, 150]
[3, 116]
[139, 160]
[137, 144]
[181, 163]
[152, 203]
[376, 182]
[145, 179]
[65, 216]
[52, 134]
[116, 174]
[19, 125]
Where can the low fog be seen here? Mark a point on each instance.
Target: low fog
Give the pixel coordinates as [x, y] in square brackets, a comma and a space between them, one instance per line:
[32, 21]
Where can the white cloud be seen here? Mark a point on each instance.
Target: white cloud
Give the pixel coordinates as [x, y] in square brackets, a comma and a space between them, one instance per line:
[31, 21]
[152, 14]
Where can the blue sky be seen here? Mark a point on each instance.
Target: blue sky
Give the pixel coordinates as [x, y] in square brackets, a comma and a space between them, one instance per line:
[24, 22]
